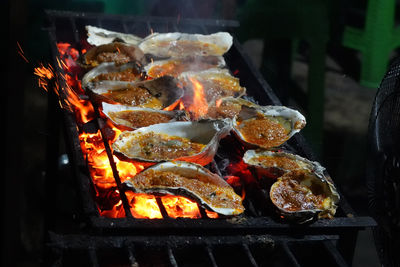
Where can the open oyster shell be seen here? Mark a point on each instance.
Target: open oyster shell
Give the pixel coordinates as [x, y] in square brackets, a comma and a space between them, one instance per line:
[187, 141]
[110, 72]
[301, 195]
[178, 45]
[227, 107]
[99, 36]
[158, 93]
[119, 53]
[273, 164]
[131, 118]
[216, 83]
[267, 126]
[192, 180]
[176, 66]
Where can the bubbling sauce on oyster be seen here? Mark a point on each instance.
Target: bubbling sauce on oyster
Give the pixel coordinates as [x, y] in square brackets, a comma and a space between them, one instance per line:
[265, 132]
[137, 119]
[176, 67]
[156, 146]
[200, 185]
[226, 109]
[294, 193]
[127, 75]
[283, 163]
[134, 96]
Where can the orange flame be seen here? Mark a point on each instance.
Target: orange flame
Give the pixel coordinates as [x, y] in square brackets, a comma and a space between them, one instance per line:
[199, 106]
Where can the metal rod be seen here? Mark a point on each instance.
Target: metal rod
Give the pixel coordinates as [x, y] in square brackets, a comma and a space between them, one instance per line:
[331, 248]
[131, 255]
[161, 206]
[290, 254]
[171, 257]
[249, 255]
[211, 256]
[76, 35]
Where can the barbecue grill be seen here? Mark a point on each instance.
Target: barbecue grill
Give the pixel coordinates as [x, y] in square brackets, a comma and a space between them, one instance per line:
[257, 238]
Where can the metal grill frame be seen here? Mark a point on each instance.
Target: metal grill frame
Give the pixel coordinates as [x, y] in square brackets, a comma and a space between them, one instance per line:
[346, 225]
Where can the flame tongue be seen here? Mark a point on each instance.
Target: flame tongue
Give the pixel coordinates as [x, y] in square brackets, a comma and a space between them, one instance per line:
[199, 106]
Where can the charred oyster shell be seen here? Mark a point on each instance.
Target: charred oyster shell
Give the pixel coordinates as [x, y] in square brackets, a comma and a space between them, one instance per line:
[110, 72]
[273, 164]
[116, 52]
[159, 93]
[99, 36]
[176, 66]
[186, 141]
[301, 195]
[178, 45]
[131, 118]
[192, 180]
[267, 126]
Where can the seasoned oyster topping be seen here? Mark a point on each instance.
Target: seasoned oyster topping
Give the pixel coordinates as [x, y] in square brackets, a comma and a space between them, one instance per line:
[304, 194]
[136, 117]
[188, 141]
[109, 71]
[178, 45]
[158, 93]
[119, 53]
[174, 67]
[268, 126]
[191, 180]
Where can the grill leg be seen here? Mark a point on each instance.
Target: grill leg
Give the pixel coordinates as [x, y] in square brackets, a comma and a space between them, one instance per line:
[347, 244]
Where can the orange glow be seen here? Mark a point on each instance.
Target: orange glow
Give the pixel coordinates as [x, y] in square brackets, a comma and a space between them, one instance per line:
[199, 106]
[177, 206]
[45, 74]
[143, 206]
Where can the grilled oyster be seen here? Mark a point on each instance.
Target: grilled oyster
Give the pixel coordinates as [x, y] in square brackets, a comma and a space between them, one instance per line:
[192, 180]
[176, 66]
[187, 141]
[267, 126]
[227, 107]
[98, 36]
[127, 117]
[157, 94]
[178, 45]
[274, 164]
[215, 83]
[301, 195]
[117, 52]
[108, 72]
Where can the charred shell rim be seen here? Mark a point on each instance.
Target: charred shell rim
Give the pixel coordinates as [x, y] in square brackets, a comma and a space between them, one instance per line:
[206, 132]
[165, 88]
[251, 155]
[305, 215]
[131, 51]
[107, 67]
[182, 166]
[296, 119]
[175, 115]
[220, 62]
[99, 36]
[149, 45]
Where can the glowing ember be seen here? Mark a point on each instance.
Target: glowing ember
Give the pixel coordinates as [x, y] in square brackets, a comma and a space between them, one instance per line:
[144, 206]
[180, 207]
[45, 74]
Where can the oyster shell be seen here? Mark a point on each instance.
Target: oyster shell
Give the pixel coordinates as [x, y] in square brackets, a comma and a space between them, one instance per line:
[216, 84]
[176, 66]
[110, 72]
[274, 164]
[267, 126]
[192, 180]
[178, 45]
[301, 195]
[117, 52]
[187, 141]
[159, 93]
[99, 36]
[228, 107]
[127, 117]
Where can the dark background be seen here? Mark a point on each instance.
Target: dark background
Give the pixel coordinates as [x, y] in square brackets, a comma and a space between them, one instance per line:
[347, 104]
